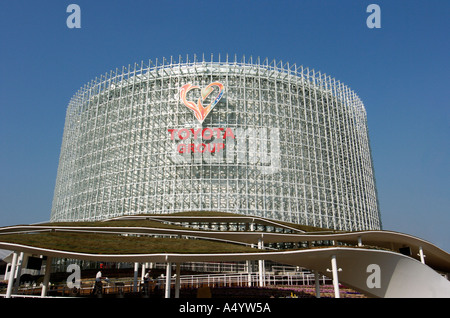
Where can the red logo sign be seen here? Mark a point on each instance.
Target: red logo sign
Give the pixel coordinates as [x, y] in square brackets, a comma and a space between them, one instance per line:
[201, 111]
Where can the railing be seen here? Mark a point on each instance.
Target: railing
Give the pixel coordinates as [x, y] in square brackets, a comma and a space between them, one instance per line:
[125, 286]
[248, 279]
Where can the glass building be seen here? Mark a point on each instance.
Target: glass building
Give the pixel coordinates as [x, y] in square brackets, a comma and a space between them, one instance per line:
[247, 136]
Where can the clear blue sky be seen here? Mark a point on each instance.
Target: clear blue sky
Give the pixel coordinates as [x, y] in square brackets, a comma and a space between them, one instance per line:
[401, 72]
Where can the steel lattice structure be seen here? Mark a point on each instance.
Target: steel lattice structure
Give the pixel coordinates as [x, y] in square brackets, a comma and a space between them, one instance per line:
[277, 141]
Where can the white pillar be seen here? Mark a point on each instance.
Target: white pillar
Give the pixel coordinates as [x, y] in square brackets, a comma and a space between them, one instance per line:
[359, 241]
[249, 273]
[143, 272]
[422, 256]
[261, 266]
[317, 283]
[18, 272]
[335, 276]
[168, 278]
[48, 269]
[136, 269]
[177, 280]
[264, 272]
[11, 276]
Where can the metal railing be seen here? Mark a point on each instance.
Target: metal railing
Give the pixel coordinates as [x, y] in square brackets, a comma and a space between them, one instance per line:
[249, 279]
[129, 285]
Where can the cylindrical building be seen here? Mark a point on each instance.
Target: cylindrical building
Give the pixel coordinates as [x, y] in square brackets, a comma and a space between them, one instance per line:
[251, 137]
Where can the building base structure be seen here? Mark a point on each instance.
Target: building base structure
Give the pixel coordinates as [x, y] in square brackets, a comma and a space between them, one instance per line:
[362, 263]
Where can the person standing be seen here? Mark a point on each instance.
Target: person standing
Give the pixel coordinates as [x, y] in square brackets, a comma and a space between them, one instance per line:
[147, 279]
[98, 286]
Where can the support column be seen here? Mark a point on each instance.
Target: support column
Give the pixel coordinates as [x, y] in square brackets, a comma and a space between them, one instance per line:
[177, 280]
[359, 241]
[11, 276]
[136, 269]
[143, 271]
[422, 256]
[249, 273]
[168, 278]
[317, 283]
[18, 272]
[261, 267]
[48, 270]
[335, 276]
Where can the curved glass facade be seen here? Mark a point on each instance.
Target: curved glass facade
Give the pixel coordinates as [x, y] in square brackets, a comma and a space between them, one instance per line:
[264, 139]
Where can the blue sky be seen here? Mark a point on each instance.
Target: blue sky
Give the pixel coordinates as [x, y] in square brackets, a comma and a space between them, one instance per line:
[400, 71]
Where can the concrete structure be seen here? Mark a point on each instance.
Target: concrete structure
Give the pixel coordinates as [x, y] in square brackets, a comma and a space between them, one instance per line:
[374, 271]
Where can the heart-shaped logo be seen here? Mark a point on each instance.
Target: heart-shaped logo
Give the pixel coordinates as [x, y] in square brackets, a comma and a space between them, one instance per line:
[200, 111]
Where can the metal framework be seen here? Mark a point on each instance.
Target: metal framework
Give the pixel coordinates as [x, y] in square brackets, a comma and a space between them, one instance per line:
[298, 148]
